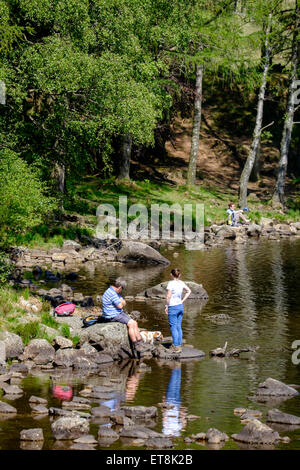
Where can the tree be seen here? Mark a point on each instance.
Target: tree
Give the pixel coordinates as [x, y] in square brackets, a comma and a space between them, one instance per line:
[259, 119]
[278, 195]
[23, 197]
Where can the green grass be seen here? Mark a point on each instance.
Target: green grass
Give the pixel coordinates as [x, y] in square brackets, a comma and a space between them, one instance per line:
[92, 191]
[11, 314]
[146, 192]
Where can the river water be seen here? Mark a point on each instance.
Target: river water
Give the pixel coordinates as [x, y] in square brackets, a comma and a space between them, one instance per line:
[256, 285]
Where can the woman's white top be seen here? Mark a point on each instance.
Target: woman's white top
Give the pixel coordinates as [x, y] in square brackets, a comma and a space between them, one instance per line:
[177, 288]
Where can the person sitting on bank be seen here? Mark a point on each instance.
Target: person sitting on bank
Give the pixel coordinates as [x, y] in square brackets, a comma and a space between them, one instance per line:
[234, 216]
[112, 310]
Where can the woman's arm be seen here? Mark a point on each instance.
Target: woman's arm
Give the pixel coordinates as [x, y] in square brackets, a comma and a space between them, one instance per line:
[169, 293]
[188, 293]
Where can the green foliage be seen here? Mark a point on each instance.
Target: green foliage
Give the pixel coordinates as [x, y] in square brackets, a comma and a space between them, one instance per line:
[49, 320]
[29, 331]
[6, 268]
[23, 200]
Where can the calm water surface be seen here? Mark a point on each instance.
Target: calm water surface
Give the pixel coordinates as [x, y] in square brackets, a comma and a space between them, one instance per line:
[256, 284]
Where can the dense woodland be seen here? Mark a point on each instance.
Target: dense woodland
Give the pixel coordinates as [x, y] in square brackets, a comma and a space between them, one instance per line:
[92, 84]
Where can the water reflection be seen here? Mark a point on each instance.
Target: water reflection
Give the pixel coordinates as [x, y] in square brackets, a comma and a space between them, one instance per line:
[62, 392]
[174, 416]
[129, 386]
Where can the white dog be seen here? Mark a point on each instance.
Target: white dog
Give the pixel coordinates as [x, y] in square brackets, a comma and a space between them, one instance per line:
[150, 336]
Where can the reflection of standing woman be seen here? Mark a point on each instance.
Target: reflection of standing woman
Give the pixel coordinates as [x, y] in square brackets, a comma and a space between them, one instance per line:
[174, 308]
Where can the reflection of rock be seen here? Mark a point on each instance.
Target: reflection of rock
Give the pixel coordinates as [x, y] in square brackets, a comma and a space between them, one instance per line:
[159, 291]
[159, 443]
[221, 318]
[256, 432]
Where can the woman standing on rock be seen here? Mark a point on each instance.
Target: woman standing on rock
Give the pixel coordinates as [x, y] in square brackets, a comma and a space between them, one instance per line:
[174, 308]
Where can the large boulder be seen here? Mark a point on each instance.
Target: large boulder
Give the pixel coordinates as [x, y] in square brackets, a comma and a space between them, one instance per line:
[138, 252]
[40, 351]
[159, 291]
[14, 346]
[275, 388]
[256, 432]
[108, 337]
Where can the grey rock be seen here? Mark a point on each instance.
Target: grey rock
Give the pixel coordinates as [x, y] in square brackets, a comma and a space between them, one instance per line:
[107, 433]
[14, 346]
[276, 416]
[68, 413]
[20, 368]
[133, 251]
[2, 353]
[39, 409]
[65, 357]
[139, 432]
[5, 408]
[256, 432]
[140, 412]
[39, 350]
[75, 405]
[101, 411]
[12, 389]
[254, 230]
[214, 436]
[159, 291]
[35, 434]
[275, 388]
[69, 428]
[62, 342]
[71, 245]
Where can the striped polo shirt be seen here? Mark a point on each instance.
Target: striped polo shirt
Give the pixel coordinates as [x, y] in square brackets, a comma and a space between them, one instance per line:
[110, 300]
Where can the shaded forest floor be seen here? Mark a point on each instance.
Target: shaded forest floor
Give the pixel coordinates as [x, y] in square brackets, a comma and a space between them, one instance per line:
[220, 162]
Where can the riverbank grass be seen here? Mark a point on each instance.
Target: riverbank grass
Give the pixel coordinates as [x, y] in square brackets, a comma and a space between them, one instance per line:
[15, 319]
[79, 217]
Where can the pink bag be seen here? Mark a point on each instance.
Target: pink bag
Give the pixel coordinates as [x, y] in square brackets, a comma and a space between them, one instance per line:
[64, 310]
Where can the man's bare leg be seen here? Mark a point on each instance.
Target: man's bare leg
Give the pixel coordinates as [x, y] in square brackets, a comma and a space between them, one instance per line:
[133, 331]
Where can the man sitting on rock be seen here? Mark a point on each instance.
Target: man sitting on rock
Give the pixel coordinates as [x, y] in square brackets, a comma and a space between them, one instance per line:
[112, 311]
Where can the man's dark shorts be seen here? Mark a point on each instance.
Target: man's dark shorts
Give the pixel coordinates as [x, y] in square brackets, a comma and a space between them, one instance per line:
[121, 318]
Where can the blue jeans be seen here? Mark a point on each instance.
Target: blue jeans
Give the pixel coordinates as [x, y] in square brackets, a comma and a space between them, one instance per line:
[175, 314]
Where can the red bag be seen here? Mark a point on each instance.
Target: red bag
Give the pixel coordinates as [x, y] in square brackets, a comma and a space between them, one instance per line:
[64, 310]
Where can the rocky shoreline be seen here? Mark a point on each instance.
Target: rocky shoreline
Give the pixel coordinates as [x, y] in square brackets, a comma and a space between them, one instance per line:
[73, 254]
[103, 346]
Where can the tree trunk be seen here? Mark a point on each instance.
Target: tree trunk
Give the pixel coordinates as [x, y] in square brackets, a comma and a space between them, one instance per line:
[278, 195]
[60, 174]
[191, 175]
[255, 174]
[258, 125]
[125, 157]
